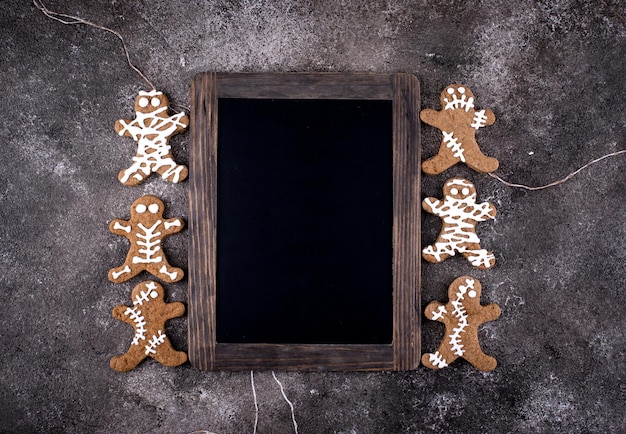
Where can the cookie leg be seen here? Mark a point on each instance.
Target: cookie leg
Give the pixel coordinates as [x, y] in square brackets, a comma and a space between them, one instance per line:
[437, 252]
[134, 175]
[480, 258]
[171, 171]
[480, 360]
[166, 272]
[480, 162]
[123, 273]
[440, 162]
[128, 361]
[439, 359]
[168, 356]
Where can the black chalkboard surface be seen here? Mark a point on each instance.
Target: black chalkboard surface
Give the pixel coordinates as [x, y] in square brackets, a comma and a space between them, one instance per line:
[304, 221]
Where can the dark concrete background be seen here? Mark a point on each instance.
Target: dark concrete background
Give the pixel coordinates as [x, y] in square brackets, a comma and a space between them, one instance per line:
[552, 71]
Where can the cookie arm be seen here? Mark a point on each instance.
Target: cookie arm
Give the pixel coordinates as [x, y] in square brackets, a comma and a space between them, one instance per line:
[435, 311]
[173, 310]
[491, 117]
[173, 225]
[490, 312]
[118, 313]
[482, 118]
[484, 211]
[432, 205]
[120, 227]
[121, 127]
[175, 123]
[184, 123]
[431, 117]
[128, 128]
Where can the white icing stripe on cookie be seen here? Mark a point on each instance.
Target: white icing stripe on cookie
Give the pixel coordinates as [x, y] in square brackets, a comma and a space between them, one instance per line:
[455, 146]
[126, 229]
[455, 103]
[140, 332]
[116, 276]
[460, 182]
[151, 133]
[174, 223]
[154, 342]
[144, 296]
[150, 242]
[481, 258]
[480, 120]
[456, 341]
[167, 273]
[437, 360]
[152, 92]
[439, 313]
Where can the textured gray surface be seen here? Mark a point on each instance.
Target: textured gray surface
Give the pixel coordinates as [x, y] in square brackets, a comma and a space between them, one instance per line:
[552, 71]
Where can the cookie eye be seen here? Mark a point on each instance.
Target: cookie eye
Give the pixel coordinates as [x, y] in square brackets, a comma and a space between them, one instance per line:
[454, 191]
[465, 191]
[141, 208]
[154, 208]
[143, 102]
[472, 294]
[154, 294]
[450, 90]
[155, 102]
[461, 90]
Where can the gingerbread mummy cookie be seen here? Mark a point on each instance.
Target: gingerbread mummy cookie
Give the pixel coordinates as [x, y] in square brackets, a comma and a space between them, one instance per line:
[458, 122]
[459, 213]
[152, 129]
[148, 316]
[146, 230]
[462, 316]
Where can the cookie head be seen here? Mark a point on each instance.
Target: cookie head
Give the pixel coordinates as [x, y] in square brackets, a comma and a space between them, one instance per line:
[459, 188]
[147, 208]
[457, 96]
[467, 289]
[147, 102]
[146, 292]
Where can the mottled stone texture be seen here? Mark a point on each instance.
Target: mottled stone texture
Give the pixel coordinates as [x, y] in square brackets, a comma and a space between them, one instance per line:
[552, 71]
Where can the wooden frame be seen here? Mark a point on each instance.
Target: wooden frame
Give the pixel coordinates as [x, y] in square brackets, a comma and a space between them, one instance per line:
[404, 352]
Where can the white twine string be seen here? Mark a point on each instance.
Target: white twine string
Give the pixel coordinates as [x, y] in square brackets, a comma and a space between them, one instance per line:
[77, 20]
[293, 415]
[256, 405]
[560, 181]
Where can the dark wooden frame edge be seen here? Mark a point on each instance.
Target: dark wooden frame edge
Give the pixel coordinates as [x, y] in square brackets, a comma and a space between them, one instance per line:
[404, 352]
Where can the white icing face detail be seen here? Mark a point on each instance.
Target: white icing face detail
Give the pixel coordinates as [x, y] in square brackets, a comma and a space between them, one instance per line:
[153, 208]
[152, 92]
[141, 208]
[143, 102]
[472, 294]
[458, 98]
[154, 294]
[459, 188]
[155, 102]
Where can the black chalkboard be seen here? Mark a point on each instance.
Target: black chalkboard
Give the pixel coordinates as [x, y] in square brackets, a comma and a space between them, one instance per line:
[304, 221]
